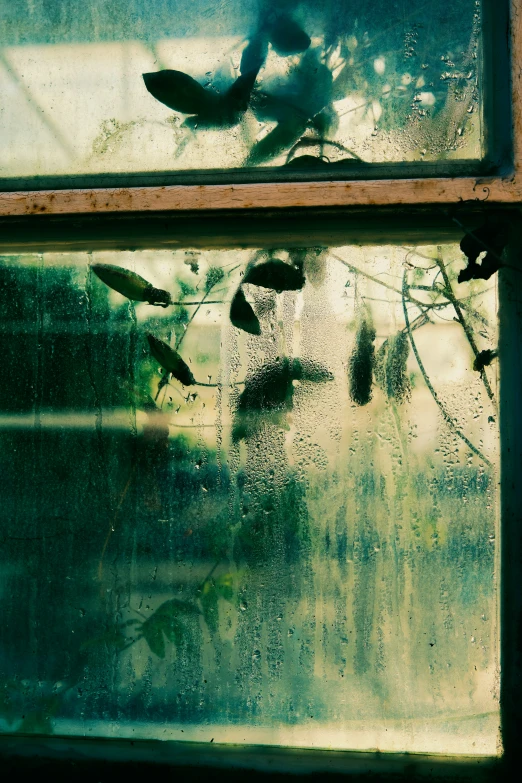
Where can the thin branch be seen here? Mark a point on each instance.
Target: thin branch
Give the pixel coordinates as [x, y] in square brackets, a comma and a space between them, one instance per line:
[358, 271]
[205, 580]
[448, 292]
[429, 384]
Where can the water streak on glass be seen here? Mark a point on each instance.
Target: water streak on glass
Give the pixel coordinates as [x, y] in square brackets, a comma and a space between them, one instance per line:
[285, 536]
[237, 85]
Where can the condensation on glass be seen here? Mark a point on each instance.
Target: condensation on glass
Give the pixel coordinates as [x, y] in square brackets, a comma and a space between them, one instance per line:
[289, 538]
[252, 84]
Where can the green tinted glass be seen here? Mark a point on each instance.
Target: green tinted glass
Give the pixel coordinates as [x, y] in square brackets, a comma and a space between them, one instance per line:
[146, 88]
[250, 497]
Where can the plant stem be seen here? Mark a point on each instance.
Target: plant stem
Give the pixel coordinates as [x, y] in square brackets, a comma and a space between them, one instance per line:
[427, 381]
[448, 292]
[205, 580]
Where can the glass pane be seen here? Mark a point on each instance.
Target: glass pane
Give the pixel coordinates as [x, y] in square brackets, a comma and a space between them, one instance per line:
[285, 536]
[172, 85]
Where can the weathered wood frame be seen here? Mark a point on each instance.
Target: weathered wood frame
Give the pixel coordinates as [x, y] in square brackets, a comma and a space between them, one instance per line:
[505, 187]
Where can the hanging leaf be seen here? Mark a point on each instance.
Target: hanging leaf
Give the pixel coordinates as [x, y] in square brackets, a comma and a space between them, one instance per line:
[276, 275]
[490, 238]
[131, 285]
[390, 367]
[287, 37]
[170, 360]
[361, 363]
[242, 316]
[484, 359]
[269, 388]
[179, 92]
[268, 394]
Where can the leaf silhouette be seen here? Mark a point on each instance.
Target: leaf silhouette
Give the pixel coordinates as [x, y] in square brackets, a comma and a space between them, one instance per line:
[236, 99]
[276, 275]
[242, 315]
[390, 367]
[131, 285]
[281, 137]
[361, 363]
[170, 360]
[254, 54]
[165, 623]
[484, 359]
[491, 238]
[153, 635]
[182, 93]
[287, 37]
[179, 92]
[306, 162]
[268, 394]
[308, 370]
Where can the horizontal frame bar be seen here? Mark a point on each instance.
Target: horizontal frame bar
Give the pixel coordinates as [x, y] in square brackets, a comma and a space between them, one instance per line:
[263, 196]
[226, 759]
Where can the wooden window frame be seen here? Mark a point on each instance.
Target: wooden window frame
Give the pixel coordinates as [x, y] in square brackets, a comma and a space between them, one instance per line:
[74, 219]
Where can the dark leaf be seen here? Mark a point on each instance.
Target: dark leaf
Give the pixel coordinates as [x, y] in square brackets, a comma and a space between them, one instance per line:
[361, 363]
[153, 635]
[390, 367]
[170, 360]
[254, 55]
[326, 122]
[306, 162]
[165, 622]
[276, 275]
[242, 316]
[484, 359]
[482, 271]
[282, 136]
[173, 630]
[269, 388]
[268, 394]
[308, 370]
[238, 95]
[490, 238]
[130, 284]
[287, 37]
[179, 92]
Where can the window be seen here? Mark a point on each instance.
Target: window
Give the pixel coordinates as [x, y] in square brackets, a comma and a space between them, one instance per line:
[251, 437]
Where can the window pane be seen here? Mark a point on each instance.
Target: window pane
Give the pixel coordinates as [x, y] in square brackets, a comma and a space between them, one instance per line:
[293, 541]
[255, 84]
